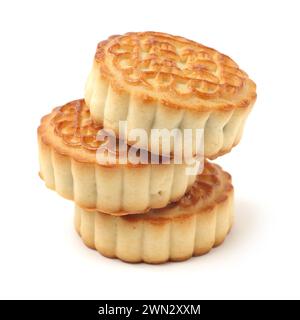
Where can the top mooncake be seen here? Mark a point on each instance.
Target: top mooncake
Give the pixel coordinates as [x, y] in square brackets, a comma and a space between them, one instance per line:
[158, 81]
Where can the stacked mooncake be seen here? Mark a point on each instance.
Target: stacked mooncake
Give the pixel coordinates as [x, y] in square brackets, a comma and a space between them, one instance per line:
[137, 209]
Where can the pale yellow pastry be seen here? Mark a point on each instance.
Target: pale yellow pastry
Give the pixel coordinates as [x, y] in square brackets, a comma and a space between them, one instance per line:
[155, 80]
[190, 227]
[68, 163]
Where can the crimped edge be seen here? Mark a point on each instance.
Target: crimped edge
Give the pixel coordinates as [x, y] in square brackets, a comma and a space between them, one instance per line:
[162, 239]
[66, 175]
[146, 98]
[222, 126]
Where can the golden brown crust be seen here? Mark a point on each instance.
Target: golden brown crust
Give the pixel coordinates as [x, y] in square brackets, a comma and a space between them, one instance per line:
[157, 81]
[207, 186]
[70, 131]
[68, 162]
[177, 72]
[174, 233]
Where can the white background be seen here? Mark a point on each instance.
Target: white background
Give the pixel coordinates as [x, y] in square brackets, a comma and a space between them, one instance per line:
[46, 50]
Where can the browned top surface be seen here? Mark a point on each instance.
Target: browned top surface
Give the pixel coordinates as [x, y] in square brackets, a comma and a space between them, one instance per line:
[70, 131]
[176, 71]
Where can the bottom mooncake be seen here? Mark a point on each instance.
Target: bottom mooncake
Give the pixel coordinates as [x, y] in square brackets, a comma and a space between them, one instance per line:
[195, 224]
